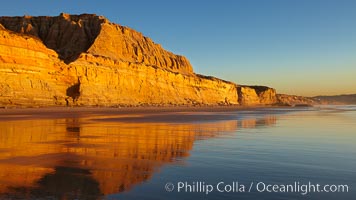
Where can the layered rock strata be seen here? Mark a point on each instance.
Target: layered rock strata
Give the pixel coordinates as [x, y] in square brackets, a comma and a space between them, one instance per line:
[87, 60]
[294, 100]
[255, 95]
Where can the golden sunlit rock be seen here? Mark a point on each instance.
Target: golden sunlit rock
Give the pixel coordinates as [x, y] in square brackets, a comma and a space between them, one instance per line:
[254, 95]
[87, 60]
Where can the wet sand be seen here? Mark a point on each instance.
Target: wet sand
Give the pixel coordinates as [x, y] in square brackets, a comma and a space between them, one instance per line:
[58, 151]
[132, 114]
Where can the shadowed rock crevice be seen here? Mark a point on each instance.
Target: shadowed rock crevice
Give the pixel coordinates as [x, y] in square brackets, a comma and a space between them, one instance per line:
[73, 93]
[68, 35]
[259, 89]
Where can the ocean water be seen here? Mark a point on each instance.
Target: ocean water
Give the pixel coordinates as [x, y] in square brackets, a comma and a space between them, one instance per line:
[265, 153]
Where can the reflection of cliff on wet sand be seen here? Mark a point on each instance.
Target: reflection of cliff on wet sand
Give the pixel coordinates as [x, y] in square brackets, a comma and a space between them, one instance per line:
[62, 183]
[37, 157]
[254, 122]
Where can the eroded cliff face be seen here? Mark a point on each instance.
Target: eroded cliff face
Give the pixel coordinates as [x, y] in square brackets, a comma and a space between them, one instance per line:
[29, 72]
[256, 95]
[294, 100]
[120, 43]
[86, 60]
[68, 35]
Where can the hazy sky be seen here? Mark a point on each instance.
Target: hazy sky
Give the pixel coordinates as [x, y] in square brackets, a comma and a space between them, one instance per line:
[304, 47]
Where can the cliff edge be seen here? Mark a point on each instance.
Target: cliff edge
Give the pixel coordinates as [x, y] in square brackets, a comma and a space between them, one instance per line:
[87, 60]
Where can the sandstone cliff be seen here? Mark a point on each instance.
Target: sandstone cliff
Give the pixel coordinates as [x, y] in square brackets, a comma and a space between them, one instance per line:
[294, 100]
[87, 60]
[255, 95]
[29, 72]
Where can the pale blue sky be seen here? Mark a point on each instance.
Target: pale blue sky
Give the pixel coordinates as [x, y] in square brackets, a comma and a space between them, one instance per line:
[305, 47]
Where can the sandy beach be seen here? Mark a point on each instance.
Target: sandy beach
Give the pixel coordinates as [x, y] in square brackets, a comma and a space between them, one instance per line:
[145, 113]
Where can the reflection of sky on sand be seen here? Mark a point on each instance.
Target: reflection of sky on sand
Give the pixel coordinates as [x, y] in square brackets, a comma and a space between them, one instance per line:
[82, 157]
